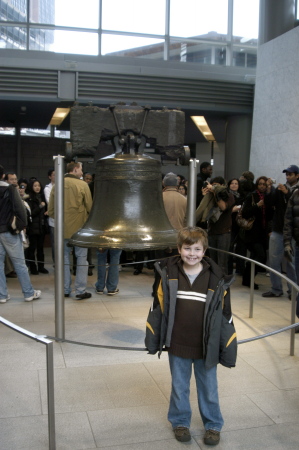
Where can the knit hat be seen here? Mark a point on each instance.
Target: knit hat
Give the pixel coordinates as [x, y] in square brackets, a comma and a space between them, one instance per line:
[170, 179]
[248, 175]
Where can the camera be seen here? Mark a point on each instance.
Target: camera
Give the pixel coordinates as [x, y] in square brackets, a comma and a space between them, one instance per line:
[205, 183]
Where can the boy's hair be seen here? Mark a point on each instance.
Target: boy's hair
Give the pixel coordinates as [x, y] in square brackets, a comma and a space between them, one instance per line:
[191, 235]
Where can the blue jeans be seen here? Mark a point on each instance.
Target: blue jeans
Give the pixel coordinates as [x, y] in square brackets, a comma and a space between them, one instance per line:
[110, 277]
[179, 413]
[12, 245]
[81, 271]
[276, 256]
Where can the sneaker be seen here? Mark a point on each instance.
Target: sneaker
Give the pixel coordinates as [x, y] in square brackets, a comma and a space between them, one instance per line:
[35, 296]
[211, 437]
[270, 294]
[43, 270]
[83, 296]
[116, 291]
[4, 300]
[182, 434]
[99, 291]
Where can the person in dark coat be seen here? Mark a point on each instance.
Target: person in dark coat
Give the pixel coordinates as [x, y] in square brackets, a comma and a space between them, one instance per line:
[291, 231]
[36, 228]
[236, 245]
[256, 239]
[205, 173]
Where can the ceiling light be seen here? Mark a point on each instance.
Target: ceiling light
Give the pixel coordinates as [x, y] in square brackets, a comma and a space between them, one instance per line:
[203, 127]
[59, 116]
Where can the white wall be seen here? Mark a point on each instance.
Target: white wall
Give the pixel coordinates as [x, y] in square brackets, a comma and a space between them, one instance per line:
[275, 131]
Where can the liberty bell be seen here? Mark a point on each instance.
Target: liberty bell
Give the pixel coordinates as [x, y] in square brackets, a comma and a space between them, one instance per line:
[128, 211]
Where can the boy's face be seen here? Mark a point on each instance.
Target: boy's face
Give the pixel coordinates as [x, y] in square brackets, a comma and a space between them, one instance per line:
[192, 254]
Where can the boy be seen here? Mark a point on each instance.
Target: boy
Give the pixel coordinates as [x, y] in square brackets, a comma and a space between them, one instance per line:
[191, 317]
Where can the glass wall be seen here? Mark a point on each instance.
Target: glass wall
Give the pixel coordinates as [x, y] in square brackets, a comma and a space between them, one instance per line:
[218, 32]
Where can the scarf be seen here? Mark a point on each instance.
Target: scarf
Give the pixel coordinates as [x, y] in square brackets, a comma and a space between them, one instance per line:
[235, 193]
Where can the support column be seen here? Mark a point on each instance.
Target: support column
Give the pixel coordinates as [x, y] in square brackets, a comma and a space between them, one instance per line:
[18, 152]
[276, 18]
[237, 145]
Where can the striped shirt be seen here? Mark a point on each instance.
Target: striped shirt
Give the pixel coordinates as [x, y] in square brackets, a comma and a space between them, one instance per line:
[187, 333]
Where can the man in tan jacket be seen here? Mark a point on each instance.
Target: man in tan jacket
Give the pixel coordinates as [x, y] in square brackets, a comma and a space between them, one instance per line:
[77, 205]
[175, 203]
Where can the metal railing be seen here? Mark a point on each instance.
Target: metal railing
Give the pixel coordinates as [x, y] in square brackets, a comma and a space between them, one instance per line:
[49, 343]
[50, 376]
[295, 290]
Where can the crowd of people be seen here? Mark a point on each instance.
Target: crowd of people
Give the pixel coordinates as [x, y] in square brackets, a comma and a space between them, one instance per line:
[233, 218]
[219, 205]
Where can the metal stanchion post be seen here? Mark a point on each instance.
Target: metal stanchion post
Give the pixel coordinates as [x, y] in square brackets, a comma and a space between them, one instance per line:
[51, 400]
[293, 320]
[191, 199]
[252, 267]
[59, 247]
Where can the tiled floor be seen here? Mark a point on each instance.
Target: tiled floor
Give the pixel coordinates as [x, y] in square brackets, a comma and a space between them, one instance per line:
[118, 400]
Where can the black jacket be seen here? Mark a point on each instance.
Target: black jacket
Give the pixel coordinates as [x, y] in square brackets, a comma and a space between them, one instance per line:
[219, 336]
[11, 205]
[278, 201]
[291, 220]
[38, 220]
[259, 230]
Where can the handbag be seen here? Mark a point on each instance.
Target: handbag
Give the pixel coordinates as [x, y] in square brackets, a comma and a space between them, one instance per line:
[25, 240]
[245, 224]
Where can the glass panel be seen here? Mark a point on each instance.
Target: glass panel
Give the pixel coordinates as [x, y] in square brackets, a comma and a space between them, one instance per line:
[61, 41]
[13, 37]
[131, 46]
[134, 16]
[67, 13]
[13, 11]
[199, 18]
[44, 133]
[244, 57]
[246, 21]
[7, 131]
[197, 53]
[62, 134]
[35, 132]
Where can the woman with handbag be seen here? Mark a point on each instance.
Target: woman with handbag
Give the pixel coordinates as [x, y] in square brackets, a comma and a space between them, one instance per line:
[256, 239]
[36, 228]
[237, 245]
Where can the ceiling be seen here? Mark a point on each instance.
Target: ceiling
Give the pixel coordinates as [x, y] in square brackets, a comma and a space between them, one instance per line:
[37, 115]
